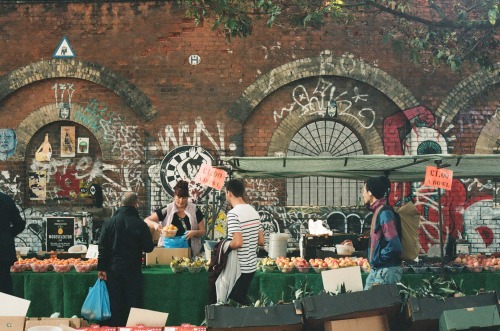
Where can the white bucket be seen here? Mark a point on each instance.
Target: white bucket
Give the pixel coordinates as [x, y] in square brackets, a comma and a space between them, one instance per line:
[45, 328]
[278, 244]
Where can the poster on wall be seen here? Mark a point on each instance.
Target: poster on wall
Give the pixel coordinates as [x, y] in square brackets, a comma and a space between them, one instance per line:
[68, 144]
[60, 233]
[37, 184]
[83, 145]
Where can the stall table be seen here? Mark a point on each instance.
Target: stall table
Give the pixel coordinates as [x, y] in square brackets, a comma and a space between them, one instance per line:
[184, 295]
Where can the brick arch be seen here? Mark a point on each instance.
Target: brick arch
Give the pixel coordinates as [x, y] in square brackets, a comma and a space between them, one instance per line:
[48, 114]
[487, 141]
[72, 68]
[294, 122]
[324, 65]
[466, 91]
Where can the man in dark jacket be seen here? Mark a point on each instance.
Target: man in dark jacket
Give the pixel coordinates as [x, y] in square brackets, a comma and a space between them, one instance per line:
[11, 224]
[124, 237]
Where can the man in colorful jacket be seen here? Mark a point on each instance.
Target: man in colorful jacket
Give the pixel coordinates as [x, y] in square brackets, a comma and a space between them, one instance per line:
[385, 234]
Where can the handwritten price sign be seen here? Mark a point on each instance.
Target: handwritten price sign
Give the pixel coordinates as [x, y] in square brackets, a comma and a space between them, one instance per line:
[211, 177]
[440, 178]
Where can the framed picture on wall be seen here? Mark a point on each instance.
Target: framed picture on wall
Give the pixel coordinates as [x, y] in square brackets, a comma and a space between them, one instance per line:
[68, 143]
[83, 145]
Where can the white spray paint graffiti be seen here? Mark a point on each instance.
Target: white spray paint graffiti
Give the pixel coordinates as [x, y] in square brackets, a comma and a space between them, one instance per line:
[63, 93]
[324, 101]
[263, 191]
[10, 185]
[127, 142]
[184, 138]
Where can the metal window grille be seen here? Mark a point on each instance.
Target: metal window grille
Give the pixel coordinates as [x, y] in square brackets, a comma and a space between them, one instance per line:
[324, 138]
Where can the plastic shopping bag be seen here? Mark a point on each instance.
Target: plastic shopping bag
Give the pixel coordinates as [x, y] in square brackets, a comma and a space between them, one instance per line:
[175, 242]
[96, 306]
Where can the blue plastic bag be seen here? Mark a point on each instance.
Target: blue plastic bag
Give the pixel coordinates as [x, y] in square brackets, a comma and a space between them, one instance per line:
[175, 242]
[96, 306]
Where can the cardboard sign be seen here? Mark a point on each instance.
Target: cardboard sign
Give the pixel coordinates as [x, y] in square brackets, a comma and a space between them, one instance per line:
[335, 278]
[211, 177]
[13, 306]
[149, 318]
[440, 178]
[92, 252]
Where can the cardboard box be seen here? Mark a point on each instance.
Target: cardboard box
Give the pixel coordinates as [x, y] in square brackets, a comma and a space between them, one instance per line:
[374, 323]
[275, 318]
[47, 321]
[163, 256]
[424, 313]
[11, 323]
[381, 299]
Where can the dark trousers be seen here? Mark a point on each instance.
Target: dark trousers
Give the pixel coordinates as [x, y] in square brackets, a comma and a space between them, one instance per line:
[125, 291]
[5, 279]
[240, 289]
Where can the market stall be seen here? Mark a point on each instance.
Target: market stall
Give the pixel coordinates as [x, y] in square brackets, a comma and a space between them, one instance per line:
[184, 295]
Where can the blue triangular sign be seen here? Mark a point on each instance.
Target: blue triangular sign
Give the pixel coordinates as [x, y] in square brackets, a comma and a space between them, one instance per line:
[64, 50]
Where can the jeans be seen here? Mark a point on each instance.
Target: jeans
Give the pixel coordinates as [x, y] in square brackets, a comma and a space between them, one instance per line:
[389, 275]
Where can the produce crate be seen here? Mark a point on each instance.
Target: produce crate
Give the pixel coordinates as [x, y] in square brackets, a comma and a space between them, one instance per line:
[424, 313]
[276, 318]
[381, 299]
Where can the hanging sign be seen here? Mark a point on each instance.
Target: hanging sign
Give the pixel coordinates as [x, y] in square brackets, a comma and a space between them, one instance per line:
[440, 178]
[210, 176]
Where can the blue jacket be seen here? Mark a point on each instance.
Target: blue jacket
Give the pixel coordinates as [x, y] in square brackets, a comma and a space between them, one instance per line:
[385, 237]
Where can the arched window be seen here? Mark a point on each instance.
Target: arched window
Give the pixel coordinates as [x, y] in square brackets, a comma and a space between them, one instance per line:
[324, 138]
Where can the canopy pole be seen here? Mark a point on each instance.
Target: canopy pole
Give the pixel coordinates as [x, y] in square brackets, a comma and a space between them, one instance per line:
[440, 213]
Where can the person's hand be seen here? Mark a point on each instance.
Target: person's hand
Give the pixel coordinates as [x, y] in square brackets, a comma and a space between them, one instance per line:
[102, 275]
[189, 234]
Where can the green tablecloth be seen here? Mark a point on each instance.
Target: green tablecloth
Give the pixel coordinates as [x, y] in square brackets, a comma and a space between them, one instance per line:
[184, 295]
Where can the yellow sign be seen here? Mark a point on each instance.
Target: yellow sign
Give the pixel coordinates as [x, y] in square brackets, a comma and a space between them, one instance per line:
[440, 178]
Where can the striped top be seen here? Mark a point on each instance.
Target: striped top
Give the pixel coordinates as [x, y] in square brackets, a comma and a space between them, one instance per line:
[245, 219]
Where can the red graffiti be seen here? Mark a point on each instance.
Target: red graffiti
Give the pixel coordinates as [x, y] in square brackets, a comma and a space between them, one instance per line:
[67, 183]
[425, 199]
[485, 233]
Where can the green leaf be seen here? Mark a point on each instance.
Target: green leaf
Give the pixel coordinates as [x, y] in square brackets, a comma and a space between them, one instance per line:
[492, 16]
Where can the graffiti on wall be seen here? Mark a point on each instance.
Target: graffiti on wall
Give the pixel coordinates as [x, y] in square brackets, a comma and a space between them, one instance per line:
[84, 176]
[183, 137]
[426, 137]
[325, 100]
[63, 92]
[171, 142]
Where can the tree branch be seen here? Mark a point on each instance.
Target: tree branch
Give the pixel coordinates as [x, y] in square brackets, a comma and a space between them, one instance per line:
[444, 23]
